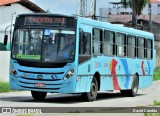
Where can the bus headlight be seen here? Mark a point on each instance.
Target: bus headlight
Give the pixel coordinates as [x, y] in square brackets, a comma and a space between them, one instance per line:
[69, 74]
[12, 70]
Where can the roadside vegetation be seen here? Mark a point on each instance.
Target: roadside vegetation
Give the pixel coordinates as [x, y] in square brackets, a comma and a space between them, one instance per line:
[4, 87]
[151, 114]
[156, 103]
[156, 75]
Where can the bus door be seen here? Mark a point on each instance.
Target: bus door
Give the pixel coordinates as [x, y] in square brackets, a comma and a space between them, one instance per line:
[97, 35]
[85, 49]
[84, 58]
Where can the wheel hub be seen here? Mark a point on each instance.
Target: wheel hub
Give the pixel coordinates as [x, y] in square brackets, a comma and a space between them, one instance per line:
[93, 90]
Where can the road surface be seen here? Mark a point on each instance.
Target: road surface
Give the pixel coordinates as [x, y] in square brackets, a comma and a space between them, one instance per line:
[145, 97]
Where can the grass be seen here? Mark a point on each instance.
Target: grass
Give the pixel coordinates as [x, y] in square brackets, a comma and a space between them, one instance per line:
[156, 75]
[4, 87]
[156, 103]
[151, 114]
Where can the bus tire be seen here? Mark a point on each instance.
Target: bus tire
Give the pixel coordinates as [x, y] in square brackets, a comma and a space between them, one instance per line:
[38, 96]
[92, 95]
[134, 88]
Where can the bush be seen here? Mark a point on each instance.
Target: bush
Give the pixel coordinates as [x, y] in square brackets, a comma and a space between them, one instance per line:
[156, 103]
[4, 87]
[2, 47]
[156, 75]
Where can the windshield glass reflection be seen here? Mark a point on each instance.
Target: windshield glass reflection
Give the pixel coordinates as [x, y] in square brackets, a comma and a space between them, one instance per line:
[44, 45]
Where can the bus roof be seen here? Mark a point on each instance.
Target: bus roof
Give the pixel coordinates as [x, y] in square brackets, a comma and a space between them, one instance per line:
[99, 24]
[116, 28]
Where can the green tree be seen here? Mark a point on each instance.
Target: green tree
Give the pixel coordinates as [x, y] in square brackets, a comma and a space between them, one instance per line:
[136, 6]
[2, 47]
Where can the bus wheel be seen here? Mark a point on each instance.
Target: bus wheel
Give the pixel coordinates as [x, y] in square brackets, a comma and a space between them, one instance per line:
[92, 95]
[39, 96]
[134, 88]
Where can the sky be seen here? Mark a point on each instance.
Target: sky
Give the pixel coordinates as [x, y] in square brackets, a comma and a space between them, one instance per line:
[68, 7]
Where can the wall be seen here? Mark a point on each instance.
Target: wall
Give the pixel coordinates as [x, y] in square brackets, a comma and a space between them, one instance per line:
[6, 16]
[4, 65]
[154, 7]
[6, 12]
[5, 20]
[157, 58]
[157, 47]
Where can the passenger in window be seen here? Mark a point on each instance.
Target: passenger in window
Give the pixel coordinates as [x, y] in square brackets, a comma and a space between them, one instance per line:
[36, 42]
[69, 49]
[50, 45]
[83, 45]
[50, 49]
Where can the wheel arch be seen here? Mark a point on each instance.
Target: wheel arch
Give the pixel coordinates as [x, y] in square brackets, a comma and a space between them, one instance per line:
[97, 76]
[137, 76]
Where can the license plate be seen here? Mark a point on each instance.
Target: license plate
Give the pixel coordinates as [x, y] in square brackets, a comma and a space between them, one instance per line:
[39, 84]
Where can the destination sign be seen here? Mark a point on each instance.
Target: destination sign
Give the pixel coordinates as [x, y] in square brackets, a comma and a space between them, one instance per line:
[46, 20]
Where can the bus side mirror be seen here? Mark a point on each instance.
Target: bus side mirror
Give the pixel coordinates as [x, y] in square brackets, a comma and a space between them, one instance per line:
[5, 40]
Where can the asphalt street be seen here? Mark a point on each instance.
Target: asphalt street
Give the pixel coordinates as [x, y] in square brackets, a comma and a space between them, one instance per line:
[145, 97]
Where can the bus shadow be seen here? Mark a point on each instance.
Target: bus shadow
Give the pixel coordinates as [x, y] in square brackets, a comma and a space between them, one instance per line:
[65, 99]
[78, 98]
[17, 99]
[105, 96]
[109, 96]
[70, 99]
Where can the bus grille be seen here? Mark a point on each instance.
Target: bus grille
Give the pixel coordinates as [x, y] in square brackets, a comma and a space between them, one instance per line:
[50, 84]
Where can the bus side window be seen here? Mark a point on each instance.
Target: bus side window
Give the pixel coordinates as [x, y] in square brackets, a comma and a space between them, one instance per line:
[149, 49]
[109, 43]
[84, 47]
[85, 44]
[121, 44]
[140, 47]
[97, 42]
[131, 46]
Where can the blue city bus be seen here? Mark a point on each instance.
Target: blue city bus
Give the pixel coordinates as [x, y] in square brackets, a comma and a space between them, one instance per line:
[70, 54]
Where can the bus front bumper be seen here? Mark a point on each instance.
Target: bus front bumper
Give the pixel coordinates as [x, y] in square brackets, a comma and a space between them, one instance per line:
[54, 86]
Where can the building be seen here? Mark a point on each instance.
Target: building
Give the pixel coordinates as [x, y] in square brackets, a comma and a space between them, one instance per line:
[8, 11]
[117, 14]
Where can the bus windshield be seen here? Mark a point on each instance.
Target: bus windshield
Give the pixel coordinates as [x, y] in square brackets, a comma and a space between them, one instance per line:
[44, 45]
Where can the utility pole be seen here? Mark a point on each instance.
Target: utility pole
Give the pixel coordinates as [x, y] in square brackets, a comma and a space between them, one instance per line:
[82, 7]
[88, 8]
[11, 27]
[94, 14]
[150, 16]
